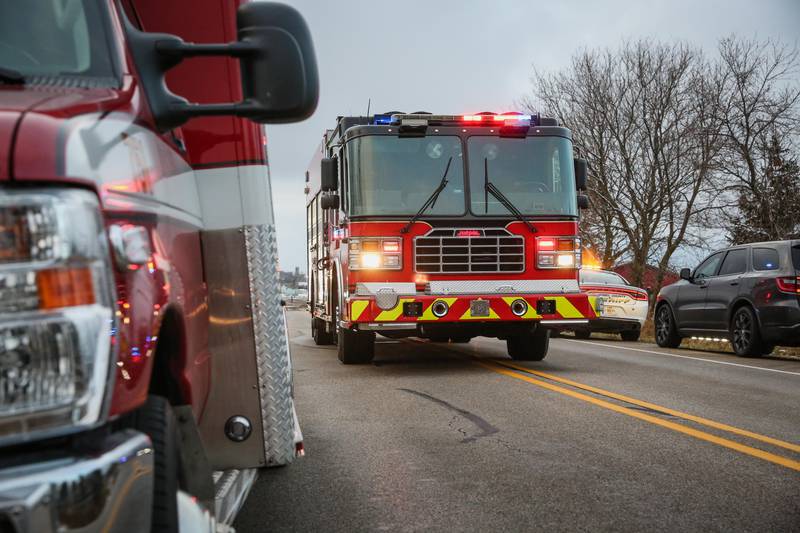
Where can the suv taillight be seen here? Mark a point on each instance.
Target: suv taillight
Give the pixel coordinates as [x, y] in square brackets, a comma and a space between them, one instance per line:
[790, 284]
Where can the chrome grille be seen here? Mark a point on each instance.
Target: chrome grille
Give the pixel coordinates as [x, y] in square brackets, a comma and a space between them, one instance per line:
[442, 251]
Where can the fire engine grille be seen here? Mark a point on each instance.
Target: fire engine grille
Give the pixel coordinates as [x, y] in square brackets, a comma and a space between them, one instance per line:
[469, 251]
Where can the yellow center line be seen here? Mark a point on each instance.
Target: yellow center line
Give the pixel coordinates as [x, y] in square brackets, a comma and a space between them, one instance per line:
[656, 407]
[748, 450]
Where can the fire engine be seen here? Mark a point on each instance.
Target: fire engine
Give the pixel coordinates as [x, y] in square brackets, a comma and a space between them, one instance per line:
[444, 227]
[144, 365]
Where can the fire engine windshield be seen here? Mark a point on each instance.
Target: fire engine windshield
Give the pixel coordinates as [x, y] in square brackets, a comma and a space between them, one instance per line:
[54, 38]
[535, 173]
[391, 175]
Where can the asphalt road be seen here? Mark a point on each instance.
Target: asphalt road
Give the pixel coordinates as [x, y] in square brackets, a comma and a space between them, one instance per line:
[600, 436]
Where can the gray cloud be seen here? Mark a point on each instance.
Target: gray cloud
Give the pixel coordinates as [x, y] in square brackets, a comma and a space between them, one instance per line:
[457, 56]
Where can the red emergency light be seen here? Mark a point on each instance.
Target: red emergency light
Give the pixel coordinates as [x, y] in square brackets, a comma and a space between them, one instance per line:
[468, 233]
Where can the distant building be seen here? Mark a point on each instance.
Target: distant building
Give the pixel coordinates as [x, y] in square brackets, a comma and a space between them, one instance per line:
[650, 275]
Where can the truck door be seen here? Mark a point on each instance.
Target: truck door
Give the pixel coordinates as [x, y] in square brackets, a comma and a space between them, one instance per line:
[724, 288]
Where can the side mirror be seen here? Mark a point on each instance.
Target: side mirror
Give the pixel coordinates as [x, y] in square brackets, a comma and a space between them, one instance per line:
[686, 274]
[581, 170]
[277, 63]
[329, 174]
[329, 201]
[583, 201]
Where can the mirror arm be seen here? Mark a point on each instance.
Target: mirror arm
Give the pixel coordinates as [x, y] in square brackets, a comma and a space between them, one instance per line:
[181, 49]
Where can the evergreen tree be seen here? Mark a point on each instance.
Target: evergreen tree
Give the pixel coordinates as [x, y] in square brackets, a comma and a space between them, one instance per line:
[769, 209]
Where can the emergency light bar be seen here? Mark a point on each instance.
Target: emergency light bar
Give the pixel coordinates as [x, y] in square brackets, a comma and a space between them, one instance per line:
[423, 119]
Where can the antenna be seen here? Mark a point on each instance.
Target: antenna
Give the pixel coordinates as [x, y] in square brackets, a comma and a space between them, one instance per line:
[369, 101]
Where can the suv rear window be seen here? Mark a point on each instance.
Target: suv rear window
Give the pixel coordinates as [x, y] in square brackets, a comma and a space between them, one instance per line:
[796, 256]
[765, 259]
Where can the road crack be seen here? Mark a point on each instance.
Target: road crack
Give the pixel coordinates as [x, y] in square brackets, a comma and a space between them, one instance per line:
[485, 429]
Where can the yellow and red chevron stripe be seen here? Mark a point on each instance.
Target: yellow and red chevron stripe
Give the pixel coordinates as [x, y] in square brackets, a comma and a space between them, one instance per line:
[577, 306]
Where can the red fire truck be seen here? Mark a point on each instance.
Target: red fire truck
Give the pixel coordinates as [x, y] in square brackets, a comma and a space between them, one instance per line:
[144, 365]
[444, 227]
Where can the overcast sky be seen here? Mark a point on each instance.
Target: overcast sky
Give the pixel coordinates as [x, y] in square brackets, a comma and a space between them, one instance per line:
[470, 56]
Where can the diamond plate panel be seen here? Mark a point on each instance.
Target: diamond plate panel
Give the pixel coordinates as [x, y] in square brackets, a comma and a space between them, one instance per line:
[272, 350]
[526, 286]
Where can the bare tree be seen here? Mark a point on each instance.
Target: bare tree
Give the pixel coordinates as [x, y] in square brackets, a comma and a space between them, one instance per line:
[643, 117]
[759, 96]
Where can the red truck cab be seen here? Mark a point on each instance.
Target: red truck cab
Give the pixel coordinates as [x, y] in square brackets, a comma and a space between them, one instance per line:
[143, 351]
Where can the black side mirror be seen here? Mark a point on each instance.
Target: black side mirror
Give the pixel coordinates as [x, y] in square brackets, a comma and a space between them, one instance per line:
[329, 174]
[583, 201]
[581, 170]
[686, 274]
[329, 201]
[278, 68]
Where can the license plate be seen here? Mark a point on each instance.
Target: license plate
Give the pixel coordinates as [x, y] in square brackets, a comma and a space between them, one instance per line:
[479, 307]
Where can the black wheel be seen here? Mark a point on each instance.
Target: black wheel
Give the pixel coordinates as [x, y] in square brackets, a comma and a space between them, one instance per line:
[356, 347]
[529, 346]
[321, 337]
[582, 334]
[632, 335]
[438, 338]
[666, 330]
[461, 339]
[156, 419]
[745, 334]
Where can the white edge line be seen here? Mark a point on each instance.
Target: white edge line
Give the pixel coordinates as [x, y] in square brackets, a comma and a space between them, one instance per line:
[684, 357]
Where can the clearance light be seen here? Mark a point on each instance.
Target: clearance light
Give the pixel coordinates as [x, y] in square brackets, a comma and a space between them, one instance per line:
[547, 244]
[391, 246]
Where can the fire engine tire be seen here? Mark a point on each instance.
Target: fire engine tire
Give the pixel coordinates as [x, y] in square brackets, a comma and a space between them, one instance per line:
[321, 337]
[582, 334]
[461, 339]
[666, 330]
[632, 335]
[156, 419]
[356, 347]
[531, 346]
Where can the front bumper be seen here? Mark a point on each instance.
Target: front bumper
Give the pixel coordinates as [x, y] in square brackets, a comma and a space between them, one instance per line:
[567, 308]
[105, 486]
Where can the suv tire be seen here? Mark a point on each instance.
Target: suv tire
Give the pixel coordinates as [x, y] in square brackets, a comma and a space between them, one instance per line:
[666, 330]
[746, 334]
[531, 346]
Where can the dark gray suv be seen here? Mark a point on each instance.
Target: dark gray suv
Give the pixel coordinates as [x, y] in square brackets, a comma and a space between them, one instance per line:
[748, 294]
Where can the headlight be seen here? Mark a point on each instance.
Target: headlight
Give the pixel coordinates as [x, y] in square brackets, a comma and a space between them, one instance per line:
[558, 252]
[375, 253]
[56, 299]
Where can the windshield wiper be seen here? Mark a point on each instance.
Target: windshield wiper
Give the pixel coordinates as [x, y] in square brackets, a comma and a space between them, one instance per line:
[9, 75]
[431, 201]
[489, 187]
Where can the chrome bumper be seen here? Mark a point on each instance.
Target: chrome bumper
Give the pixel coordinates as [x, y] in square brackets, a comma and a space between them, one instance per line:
[106, 488]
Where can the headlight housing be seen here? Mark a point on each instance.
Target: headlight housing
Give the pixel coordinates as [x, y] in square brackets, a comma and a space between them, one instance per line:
[558, 252]
[375, 253]
[56, 313]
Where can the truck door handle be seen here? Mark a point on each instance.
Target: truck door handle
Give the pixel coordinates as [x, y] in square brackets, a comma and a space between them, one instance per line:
[734, 283]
